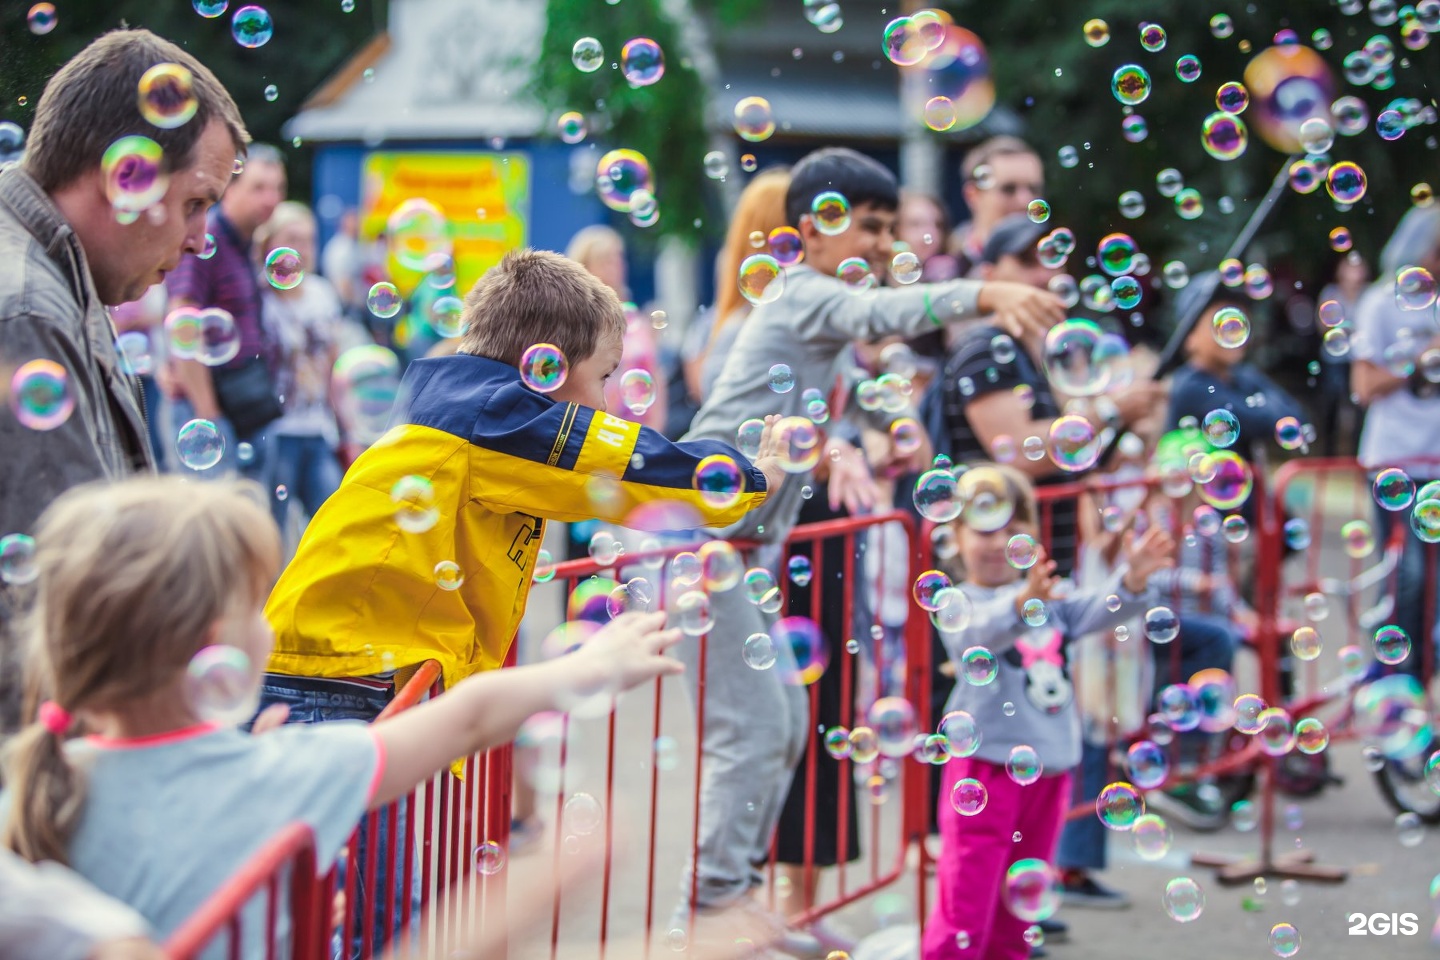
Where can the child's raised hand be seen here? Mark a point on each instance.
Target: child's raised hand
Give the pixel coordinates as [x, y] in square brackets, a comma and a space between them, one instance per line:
[1040, 581]
[767, 459]
[1150, 551]
[627, 651]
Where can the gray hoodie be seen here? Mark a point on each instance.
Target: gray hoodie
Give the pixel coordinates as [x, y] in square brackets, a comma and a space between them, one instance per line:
[1033, 676]
[808, 328]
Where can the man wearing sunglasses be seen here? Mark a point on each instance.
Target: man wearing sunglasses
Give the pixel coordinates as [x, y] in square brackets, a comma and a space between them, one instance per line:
[1001, 176]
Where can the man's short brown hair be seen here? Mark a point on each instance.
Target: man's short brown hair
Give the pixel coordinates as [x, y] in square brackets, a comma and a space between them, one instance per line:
[987, 150]
[93, 100]
[535, 296]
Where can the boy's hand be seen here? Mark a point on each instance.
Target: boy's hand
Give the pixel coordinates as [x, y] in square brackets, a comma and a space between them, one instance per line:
[1138, 400]
[1151, 551]
[1020, 308]
[767, 459]
[1040, 581]
[625, 653]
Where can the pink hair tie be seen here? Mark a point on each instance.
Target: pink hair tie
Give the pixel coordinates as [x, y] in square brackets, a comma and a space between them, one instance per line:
[54, 718]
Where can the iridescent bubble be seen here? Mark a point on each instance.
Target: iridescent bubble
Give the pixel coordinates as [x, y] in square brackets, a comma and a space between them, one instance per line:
[903, 43]
[1393, 489]
[1346, 182]
[937, 496]
[1126, 291]
[1119, 805]
[781, 379]
[1230, 483]
[284, 269]
[928, 587]
[572, 126]
[1415, 288]
[786, 246]
[1069, 157]
[218, 337]
[1187, 68]
[587, 54]
[1032, 890]
[807, 643]
[252, 27]
[1189, 204]
[1340, 240]
[1276, 732]
[1350, 114]
[384, 300]
[40, 395]
[1224, 136]
[620, 176]
[489, 858]
[1221, 428]
[1244, 815]
[1130, 84]
[939, 114]
[1161, 624]
[831, 213]
[906, 267]
[1184, 900]
[1284, 940]
[864, 745]
[1296, 533]
[1073, 444]
[988, 505]
[637, 390]
[199, 445]
[41, 19]
[907, 435]
[1316, 135]
[761, 280]
[1132, 206]
[893, 720]
[221, 685]
[1022, 551]
[1425, 520]
[210, 9]
[1097, 32]
[17, 559]
[1152, 37]
[1390, 125]
[543, 367]
[1231, 327]
[1311, 737]
[800, 446]
[1305, 643]
[1289, 434]
[642, 61]
[718, 481]
[132, 170]
[1392, 644]
[969, 797]
[1147, 763]
[855, 273]
[721, 566]
[1232, 97]
[978, 666]
[166, 96]
[1024, 766]
[693, 614]
[754, 120]
[1152, 837]
[837, 742]
[1074, 360]
[415, 510]
[416, 232]
[1358, 539]
[1169, 182]
[758, 651]
[1392, 714]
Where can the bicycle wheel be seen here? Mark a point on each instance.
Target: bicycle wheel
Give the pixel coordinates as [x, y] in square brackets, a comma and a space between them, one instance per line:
[1402, 783]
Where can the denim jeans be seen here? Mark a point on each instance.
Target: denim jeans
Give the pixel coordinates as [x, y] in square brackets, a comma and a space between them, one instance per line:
[1082, 841]
[1206, 642]
[305, 466]
[316, 700]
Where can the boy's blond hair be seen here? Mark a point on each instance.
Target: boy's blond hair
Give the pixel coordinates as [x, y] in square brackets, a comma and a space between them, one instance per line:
[535, 296]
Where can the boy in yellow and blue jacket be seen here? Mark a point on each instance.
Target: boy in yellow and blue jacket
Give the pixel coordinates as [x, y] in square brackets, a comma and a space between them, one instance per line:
[365, 596]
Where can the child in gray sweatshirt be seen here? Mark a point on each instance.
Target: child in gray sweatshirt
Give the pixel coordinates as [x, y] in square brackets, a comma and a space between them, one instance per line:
[755, 723]
[1012, 721]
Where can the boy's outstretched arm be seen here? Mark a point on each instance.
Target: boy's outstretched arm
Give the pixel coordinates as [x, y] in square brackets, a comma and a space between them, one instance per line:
[486, 710]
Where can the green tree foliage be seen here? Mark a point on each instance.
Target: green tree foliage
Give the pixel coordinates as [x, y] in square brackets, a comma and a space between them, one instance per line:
[312, 38]
[666, 121]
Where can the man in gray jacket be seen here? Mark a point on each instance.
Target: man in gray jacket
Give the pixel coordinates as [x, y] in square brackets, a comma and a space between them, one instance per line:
[78, 232]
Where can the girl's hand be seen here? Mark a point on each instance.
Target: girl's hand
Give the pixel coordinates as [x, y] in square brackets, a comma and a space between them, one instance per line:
[1040, 581]
[625, 653]
[767, 460]
[850, 483]
[1153, 550]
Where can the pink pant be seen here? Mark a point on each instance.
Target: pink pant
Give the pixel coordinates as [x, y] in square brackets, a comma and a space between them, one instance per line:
[977, 852]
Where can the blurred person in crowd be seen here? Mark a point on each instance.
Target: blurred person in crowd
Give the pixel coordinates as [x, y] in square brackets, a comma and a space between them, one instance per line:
[1339, 417]
[239, 396]
[1000, 177]
[47, 912]
[923, 225]
[1393, 353]
[301, 462]
[142, 352]
[601, 250]
[342, 264]
[760, 209]
[1215, 375]
[67, 256]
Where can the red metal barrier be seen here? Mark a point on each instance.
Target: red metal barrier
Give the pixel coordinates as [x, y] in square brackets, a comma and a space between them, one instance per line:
[295, 921]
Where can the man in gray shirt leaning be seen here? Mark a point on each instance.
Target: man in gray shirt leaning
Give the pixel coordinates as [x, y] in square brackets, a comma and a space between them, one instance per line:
[87, 221]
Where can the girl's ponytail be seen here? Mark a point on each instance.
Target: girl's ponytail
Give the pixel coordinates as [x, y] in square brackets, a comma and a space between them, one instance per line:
[44, 788]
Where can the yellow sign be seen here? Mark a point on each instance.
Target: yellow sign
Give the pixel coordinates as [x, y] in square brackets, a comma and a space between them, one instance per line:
[485, 198]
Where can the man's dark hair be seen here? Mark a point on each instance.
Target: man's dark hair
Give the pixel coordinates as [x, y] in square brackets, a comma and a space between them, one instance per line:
[93, 100]
[856, 177]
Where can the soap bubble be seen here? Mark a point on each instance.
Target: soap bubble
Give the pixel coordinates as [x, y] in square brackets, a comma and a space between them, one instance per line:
[1152, 837]
[623, 180]
[1187, 68]
[719, 482]
[1392, 644]
[1184, 900]
[384, 300]
[1074, 359]
[40, 395]
[252, 27]
[830, 212]
[133, 172]
[543, 367]
[17, 559]
[1073, 444]
[587, 54]
[222, 685]
[753, 119]
[978, 666]
[1130, 84]
[1147, 763]
[284, 268]
[1224, 135]
[761, 280]
[807, 643]
[1032, 890]
[1097, 32]
[893, 720]
[1119, 805]
[1392, 489]
[969, 797]
[1161, 624]
[166, 95]
[1346, 182]
[1284, 940]
[199, 445]
[1024, 766]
